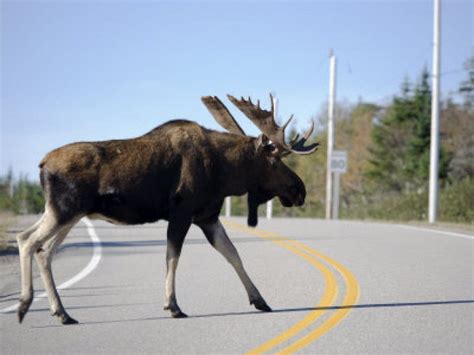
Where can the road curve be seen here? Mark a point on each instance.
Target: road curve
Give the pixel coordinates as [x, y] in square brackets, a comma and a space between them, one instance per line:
[345, 287]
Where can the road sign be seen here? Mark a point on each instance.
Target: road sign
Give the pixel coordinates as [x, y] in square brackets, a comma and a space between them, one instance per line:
[339, 161]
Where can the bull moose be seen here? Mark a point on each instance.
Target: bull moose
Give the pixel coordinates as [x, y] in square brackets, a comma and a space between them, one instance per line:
[180, 172]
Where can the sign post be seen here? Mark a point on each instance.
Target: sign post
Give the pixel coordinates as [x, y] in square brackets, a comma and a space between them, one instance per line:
[338, 167]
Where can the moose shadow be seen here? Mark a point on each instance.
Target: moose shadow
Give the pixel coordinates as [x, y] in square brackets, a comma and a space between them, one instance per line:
[247, 313]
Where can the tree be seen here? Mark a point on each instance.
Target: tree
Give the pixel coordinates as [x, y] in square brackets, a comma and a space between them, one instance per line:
[20, 196]
[467, 87]
[401, 141]
[457, 129]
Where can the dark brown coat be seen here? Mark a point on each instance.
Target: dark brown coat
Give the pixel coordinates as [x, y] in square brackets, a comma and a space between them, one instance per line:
[179, 166]
[180, 172]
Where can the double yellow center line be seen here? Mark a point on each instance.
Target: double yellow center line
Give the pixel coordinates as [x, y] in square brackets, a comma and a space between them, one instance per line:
[295, 341]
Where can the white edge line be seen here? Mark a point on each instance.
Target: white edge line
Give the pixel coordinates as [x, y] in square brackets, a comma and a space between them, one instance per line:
[97, 255]
[406, 226]
[430, 230]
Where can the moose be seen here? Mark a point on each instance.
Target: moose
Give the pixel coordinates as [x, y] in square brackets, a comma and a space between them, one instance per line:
[180, 172]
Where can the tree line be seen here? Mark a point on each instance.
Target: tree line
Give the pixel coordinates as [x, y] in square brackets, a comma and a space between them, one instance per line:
[20, 196]
[388, 149]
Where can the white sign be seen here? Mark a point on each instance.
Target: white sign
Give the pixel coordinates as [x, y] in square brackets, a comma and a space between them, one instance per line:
[339, 161]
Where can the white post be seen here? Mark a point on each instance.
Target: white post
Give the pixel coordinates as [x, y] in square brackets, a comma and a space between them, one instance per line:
[228, 207]
[335, 202]
[434, 149]
[270, 203]
[330, 145]
[269, 209]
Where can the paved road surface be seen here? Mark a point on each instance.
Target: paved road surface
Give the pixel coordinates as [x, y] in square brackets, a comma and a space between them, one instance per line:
[335, 287]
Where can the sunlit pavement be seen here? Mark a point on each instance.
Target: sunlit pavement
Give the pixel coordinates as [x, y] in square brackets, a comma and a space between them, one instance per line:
[411, 291]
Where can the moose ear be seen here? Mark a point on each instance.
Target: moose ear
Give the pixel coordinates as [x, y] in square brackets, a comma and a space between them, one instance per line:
[261, 142]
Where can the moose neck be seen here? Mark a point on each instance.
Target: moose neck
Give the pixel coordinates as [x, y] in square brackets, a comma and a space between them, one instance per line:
[239, 173]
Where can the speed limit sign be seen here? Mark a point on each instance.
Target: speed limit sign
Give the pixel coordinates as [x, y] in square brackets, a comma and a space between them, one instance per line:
[339, 161]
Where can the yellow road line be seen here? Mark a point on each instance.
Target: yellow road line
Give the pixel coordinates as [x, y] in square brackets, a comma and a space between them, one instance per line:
[329, 296]
[352, 294]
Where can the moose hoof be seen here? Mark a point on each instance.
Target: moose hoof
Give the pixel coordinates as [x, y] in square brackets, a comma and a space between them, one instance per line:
[175, 311]
[66, 320]
[178, 314]
[23, 308]
[261, 305]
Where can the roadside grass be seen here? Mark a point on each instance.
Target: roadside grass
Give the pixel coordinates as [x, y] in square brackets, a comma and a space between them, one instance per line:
[7, 219]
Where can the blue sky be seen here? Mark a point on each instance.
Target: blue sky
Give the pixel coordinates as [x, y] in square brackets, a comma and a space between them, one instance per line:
[94, 70]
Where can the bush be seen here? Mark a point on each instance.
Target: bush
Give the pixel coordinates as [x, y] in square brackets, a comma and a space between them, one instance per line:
[457, 202]
[27, 196]
[456, 205]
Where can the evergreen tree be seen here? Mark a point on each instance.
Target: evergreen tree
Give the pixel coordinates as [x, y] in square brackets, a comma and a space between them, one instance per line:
[467, 87]
[418, 152]
[400, 151]
[389, 143]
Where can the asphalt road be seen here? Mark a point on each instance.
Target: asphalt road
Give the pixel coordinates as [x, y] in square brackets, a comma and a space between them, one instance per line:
[335, 287]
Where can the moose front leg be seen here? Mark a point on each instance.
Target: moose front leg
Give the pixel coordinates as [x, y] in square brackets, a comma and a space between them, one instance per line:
[217, 236]
[175, 235]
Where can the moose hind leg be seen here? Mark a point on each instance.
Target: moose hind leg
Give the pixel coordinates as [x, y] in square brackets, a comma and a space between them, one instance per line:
[176, 234]
[44, 256]
[28, 243]
[217, 236]
[25, 265]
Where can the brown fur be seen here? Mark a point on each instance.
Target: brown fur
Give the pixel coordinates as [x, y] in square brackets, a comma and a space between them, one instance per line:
[179, 171]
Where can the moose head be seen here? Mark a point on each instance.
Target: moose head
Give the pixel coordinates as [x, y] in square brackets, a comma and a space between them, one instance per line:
[273, 177]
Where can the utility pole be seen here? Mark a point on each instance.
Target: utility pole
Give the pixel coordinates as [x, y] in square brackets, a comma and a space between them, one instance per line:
[270, 203]
[330, 147]
[434, 148]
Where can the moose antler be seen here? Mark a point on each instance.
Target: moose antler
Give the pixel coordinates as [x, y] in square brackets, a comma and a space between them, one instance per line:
[222, 115]
[265, 121]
